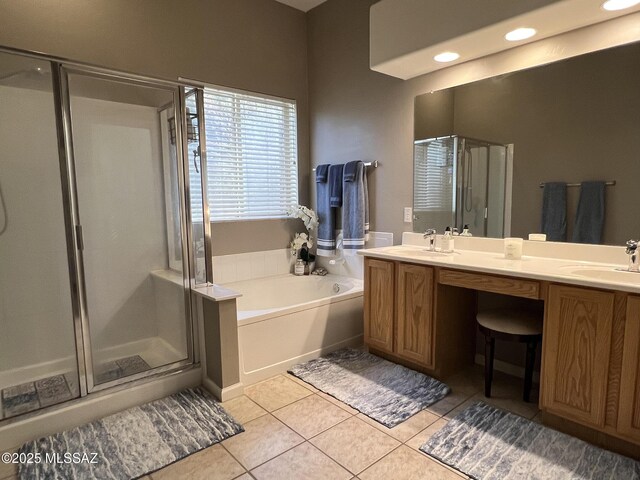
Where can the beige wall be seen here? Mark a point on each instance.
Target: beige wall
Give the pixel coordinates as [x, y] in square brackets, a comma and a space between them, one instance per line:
[257, 45]
[358, 114]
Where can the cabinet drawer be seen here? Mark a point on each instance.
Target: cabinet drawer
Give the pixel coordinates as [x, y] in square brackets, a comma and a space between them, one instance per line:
[515, 287]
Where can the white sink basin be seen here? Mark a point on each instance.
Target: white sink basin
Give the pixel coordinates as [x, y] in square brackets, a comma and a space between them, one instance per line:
[608, 274]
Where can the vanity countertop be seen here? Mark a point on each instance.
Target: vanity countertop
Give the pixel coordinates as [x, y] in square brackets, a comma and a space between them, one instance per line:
[570, 271]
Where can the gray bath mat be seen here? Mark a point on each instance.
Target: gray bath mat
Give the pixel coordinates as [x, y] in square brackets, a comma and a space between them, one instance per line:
[382, 390]
[487, 443]
[132, 443]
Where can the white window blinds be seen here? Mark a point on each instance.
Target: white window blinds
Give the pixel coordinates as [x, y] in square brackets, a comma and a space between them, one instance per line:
[252, 155]
[433, 177]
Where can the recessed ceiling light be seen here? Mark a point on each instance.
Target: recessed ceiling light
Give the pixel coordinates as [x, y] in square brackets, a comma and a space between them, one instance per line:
[612, 5]
[521, 34]
[447, 56]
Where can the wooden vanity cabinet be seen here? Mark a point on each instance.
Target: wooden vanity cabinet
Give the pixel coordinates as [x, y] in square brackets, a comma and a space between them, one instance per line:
[414, 313]
[379, 305]
[398, 310]
[629, 404]
[576, 346]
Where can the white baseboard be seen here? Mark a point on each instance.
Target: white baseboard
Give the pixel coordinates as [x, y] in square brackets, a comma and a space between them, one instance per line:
[508, 368]
[223, 394]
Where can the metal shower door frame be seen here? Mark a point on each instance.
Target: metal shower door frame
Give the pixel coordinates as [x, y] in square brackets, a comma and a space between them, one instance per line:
[86, 372]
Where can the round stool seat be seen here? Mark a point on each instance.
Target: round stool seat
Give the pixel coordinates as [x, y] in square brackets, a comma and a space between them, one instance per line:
[512, 325]
[511, 321]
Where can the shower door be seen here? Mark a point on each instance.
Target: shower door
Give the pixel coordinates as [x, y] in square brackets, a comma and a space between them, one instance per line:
[38, 362]
[131, 238]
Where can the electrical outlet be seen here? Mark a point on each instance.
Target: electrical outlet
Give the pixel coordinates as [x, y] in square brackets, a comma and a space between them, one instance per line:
[408, 214]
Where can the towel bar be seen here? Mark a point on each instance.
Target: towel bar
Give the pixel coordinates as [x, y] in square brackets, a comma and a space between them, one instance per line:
[608, 184]
[373, 164]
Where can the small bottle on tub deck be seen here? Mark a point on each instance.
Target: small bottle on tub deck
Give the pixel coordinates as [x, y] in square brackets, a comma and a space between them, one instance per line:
[298, 269]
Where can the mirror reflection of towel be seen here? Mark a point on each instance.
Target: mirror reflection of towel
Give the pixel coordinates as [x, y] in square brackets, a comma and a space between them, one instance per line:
[554, 211]
[589, 222]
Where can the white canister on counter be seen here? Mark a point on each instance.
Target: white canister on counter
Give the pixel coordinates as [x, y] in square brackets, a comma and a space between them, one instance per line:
[513, 248]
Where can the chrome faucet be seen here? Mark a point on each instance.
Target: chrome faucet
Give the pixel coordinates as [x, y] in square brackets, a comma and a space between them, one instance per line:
[634, 260]
[431, 235]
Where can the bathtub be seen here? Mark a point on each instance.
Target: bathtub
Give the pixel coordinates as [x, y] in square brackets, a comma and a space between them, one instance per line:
[285, 319]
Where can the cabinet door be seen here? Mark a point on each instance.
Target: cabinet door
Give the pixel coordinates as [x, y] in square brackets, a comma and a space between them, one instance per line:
[576, 345]
[414, 294]
[629, 406]
[378, 304]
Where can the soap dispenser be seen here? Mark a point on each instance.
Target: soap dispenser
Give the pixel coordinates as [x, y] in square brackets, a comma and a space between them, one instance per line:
[447, 241]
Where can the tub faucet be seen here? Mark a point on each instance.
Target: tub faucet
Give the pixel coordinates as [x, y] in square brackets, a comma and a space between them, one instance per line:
[632, 251]
[431, 235]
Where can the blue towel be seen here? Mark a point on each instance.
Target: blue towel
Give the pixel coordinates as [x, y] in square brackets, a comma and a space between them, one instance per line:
[335, 185]
[321, 173]
[354, 207]
[326, 215]
[589, 222]
[554, 211]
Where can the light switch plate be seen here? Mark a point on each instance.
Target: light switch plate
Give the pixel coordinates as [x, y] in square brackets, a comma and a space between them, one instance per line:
[408, 214]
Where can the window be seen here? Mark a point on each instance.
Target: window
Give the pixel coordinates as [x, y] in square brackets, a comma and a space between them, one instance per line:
[252, 155]
[433, 177]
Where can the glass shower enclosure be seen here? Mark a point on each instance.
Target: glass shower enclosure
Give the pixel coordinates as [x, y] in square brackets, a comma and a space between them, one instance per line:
[97, 236]
[461, 181]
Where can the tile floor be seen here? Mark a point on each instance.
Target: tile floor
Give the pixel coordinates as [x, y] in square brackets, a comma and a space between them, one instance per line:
[295, 432]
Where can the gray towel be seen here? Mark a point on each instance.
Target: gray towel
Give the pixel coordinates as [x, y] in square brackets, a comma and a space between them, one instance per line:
[335, 185]
[590, 214]
[353, 207]
[326, 215]
[554, 211]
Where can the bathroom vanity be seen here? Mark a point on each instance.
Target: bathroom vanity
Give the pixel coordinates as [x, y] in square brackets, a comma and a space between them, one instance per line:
[420, 311]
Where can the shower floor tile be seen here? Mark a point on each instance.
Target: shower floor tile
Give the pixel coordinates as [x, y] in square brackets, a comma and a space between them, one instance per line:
[31, 396]
[53, 390]
[122, 367]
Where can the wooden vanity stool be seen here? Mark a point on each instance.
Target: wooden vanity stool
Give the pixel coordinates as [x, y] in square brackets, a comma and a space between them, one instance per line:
[515, 326]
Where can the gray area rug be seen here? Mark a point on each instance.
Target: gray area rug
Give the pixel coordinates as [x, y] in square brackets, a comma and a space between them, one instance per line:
[488, 443]
[382, 390]
[131, 443]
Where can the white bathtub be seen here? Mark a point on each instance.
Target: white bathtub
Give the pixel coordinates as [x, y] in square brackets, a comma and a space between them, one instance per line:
[284, 320]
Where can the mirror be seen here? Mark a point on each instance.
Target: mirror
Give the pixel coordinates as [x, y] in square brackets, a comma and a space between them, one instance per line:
[483, 150]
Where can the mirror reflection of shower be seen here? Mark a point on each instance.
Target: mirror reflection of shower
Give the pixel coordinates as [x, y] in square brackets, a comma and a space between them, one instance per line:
[473, 190]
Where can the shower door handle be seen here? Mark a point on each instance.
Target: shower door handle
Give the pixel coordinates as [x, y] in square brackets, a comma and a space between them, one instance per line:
[79, 238]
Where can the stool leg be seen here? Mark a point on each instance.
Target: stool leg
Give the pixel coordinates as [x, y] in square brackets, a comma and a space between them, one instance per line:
[489, 349]
[528, 369]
